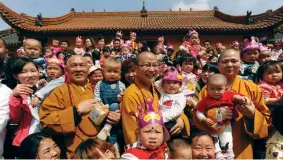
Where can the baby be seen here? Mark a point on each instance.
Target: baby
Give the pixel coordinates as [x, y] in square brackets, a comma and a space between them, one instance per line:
[264, 54]
[79, 50]
[180, 148]
[106, 91]
[32, 48]
[55, 46]
[217, 97]
[152, 135]
[95, 75]
[172, 101]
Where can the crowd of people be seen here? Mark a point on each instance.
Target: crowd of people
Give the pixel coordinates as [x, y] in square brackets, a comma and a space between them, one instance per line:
[123, 99]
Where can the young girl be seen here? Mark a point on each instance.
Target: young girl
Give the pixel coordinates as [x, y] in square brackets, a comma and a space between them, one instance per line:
[264, 54]
[26, 73]
[277, 51]
[132, 41]
[48, 52]
[161, 41]
[160, 52]
[152, 135]
[172, 100]
[192, 46]
[55, 46]
[235, 45]
[125, 52]
[188, 67]
[270, 77]
[249, 55]
[79, 50]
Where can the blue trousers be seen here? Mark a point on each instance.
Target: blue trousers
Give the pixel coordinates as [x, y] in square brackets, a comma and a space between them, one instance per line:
[114, 131]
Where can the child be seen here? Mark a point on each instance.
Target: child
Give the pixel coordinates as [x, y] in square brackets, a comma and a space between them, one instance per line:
[160, 52]
[270, 80]
[21, 52]
[125, 52]
[106, 91]
[132, 41]
[55, 46]
[180, 148]
[192, 46]
[220, 48]
[170, 50]
[264, 54]
[79, 50]
[277, 51]
[204, 57]
[172, 100]
[235, 45]
[48, 52]
[161, 41]
[32, 48]
[217, 96]
[60, 55]
[249, 55]
[152, 135]
[55, 74]
[188, 67]
[95, 75]
[274, 145]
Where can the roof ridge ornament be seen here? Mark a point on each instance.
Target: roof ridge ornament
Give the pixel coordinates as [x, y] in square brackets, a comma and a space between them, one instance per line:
[249, 19]
[144, 11]
[39, 20]
[72, 10]
[215, 8]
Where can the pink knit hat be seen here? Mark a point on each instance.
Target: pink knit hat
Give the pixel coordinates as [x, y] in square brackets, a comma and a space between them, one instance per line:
[191, 32]
[250, 45]
[161, 38]
[172, 74]
[151, 117]
[126, 44]
[119, 34]
[79, 38]
[55, 60]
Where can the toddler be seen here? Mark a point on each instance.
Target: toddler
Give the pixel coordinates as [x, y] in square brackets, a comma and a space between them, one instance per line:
[55, 46]
[235, 45]
[48, 52]
[125, 52]
[32, 48]
[277, 51]
[220, 48]
[161, 41]
[270, 77]
[160, 52]
[172, 100]
[249, 55]
[61, 55]
[217, 97]
[152, 135]
[106, 91]
[132, 41]
[79, 50]
[192, 46]
[95, 75]
[264, 54]
[180, 148]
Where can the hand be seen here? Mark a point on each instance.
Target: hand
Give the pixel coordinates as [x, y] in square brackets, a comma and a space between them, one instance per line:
[86, 106]
[247, 110]
[35, 101]
[208, 121]
[120, 96]
[22, 89]
[178, 127]
[227, 114]
[41, 82]
[237, 99]
[113, 117]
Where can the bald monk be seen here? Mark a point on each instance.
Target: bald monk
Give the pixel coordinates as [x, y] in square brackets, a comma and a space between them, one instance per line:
[252, 121]
[65, 111]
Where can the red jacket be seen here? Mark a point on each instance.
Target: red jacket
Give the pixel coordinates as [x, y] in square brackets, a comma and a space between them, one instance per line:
[20, 113]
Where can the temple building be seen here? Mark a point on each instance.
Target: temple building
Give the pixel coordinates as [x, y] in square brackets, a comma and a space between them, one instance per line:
[213, 25]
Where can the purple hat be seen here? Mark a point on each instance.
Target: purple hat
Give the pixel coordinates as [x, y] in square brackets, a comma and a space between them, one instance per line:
[172, 74]
[191, 32]
[250, 45]
[151, 117]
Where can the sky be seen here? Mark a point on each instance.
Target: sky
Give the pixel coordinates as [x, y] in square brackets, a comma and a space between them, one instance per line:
[53, 8]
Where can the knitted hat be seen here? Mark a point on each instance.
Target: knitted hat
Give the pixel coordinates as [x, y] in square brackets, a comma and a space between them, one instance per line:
[250, 45]
[172, 74]
[79, 38]
[94, 68]
[161, 38]
[151, 117]
[191, 32]
[235, 43]
[55, 60]
[119, 34]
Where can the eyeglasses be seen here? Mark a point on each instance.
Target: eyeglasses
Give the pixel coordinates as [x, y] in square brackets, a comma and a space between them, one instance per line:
[148, 65]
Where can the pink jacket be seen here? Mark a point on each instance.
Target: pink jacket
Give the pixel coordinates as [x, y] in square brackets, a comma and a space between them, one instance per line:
[20, 113]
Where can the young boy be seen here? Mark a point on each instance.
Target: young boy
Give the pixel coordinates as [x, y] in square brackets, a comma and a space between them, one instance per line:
[32, 48]
[180, 148]
[217, 97]
[106, 91]
[152, 135]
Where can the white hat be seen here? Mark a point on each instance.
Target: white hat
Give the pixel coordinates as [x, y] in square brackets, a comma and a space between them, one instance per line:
[94, 68]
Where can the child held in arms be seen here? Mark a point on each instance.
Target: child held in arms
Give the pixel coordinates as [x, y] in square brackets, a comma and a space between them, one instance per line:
[107, 92]
[172, 101]
[152, 135]
[79, 50]
[217, 97]
[55, 46]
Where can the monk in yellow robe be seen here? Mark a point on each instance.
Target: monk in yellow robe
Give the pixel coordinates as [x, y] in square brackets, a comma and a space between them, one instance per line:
[253, 120]
[146, 71]
[65, 111]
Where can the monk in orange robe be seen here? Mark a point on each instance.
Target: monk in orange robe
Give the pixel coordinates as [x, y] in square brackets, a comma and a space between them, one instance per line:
[253, 120]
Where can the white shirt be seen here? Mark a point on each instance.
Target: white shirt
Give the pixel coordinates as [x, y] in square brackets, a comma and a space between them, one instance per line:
[4, 114]
[35, 123]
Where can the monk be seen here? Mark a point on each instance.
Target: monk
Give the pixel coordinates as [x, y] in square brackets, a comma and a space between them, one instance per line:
[65, 111]
[147, 68]
[252, 122]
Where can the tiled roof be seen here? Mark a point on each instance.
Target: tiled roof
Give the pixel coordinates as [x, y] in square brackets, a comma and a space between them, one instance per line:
[10, 37]
[210, 20]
